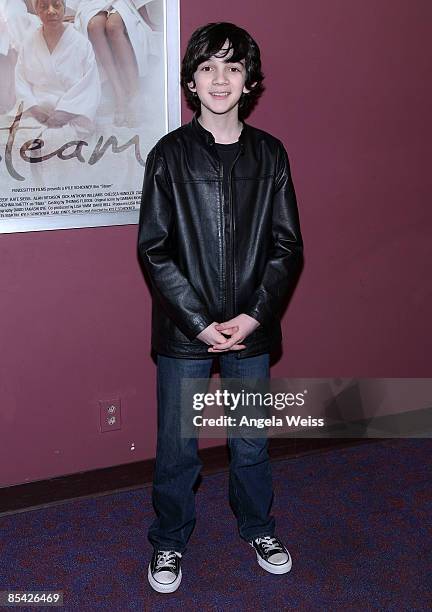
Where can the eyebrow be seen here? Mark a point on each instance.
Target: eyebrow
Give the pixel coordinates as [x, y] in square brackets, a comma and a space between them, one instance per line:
[241, 62]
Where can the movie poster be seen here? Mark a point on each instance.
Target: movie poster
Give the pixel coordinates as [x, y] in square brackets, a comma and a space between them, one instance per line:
[84, 97]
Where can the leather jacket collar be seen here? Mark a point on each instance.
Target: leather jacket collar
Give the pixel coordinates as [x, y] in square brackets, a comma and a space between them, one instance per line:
[209, 138]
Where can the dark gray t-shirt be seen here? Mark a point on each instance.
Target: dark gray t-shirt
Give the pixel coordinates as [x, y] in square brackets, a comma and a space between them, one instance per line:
[227, 154]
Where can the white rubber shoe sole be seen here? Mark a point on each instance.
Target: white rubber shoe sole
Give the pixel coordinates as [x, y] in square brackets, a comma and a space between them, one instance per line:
[284, 568]
[164, 588]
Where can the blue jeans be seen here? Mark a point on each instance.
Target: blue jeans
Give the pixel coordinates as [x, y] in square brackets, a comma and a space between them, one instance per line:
[178, 465]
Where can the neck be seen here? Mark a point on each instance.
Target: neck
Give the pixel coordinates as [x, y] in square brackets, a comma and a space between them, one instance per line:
[53, 29]
[225, 128]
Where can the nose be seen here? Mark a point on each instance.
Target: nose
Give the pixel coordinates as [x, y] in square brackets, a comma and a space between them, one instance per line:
[51, 10]
[220, 76]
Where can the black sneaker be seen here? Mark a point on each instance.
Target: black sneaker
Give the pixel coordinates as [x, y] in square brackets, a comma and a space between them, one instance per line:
[272, 555]
[164, 572]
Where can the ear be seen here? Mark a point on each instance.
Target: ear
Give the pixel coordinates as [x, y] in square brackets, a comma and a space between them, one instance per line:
[246, 90]
[192, 86]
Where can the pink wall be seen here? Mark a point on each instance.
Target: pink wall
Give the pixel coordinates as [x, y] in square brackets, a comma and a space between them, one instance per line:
[349, 93]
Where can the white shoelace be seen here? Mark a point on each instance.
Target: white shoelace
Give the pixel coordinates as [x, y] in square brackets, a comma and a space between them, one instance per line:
[165, 558]
[269, 543]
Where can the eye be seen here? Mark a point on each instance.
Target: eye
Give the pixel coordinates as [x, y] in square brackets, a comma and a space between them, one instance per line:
[206, 68]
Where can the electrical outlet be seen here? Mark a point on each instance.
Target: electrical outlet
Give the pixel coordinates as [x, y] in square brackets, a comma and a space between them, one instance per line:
[110, 414]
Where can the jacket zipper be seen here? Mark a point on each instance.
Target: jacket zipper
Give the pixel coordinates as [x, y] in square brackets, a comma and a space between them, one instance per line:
[223, 242]
[231, 260]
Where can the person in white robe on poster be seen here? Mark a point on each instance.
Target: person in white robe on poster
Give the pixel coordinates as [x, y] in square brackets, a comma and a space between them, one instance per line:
[56, 75]
[21, 20]
[16, 23]
[57, 81]
[123, 37]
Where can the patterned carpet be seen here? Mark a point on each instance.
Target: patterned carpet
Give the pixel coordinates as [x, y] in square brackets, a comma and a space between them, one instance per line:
[357, 521]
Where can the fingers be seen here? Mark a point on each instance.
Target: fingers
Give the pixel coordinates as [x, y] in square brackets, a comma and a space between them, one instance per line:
[219, 338]
[227, 342]
[235, 347]
[224, 325]
[218, 341]
[229, 331]
[235, 340]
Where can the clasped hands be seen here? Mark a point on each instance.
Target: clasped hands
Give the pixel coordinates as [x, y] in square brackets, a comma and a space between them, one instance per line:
[237, 328]
[53, 119]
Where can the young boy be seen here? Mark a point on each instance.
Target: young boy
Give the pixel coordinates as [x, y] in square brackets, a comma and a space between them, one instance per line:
[219, 236]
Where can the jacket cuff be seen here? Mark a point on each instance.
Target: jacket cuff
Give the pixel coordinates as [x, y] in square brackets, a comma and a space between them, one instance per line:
[196, 325]
[259, 314]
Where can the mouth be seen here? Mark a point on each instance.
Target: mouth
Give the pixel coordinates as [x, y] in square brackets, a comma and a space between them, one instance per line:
[219, 94]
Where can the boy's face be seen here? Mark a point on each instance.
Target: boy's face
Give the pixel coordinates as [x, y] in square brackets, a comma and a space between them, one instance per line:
[220, 83]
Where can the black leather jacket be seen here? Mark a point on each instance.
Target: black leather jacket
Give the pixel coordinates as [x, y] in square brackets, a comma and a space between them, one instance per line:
[209, 259]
